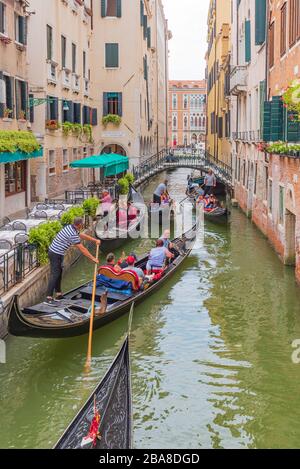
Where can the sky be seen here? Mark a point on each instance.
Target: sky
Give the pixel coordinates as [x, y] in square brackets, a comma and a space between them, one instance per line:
[188, 23]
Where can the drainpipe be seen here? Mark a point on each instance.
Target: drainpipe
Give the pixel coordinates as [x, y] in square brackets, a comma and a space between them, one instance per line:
[267, 96]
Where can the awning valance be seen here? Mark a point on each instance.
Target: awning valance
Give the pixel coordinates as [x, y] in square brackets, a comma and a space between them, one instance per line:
[113, 164]
[8, 157]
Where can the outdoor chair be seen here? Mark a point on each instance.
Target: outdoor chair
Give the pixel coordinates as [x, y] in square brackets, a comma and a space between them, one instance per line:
[42, 207]
[19, 226]
[40, 214]
[59, 207]
[6, 228]
[5, 245]
[21, 238]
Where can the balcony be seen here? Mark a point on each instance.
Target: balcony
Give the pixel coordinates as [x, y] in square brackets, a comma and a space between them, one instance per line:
[238, 80]
[86, 87]
[66, 79]
[52, 72]
[251, 136]
[76, 83]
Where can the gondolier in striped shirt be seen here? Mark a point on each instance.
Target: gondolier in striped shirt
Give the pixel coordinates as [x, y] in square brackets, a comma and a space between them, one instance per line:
[70, 235]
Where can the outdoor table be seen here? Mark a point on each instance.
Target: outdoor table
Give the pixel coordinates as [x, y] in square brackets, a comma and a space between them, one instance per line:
[51, 212]
[9, 235]
[30, 222]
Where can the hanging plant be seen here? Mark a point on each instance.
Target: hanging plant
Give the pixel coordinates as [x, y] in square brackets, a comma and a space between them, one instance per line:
[88, 131]
[291, 99]
[77, 129]
[67, 128]
[111, 119]
[13, 141]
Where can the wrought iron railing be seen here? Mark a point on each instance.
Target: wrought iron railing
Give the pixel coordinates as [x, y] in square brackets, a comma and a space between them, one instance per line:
[80, 195]
[247, 135]
[16, 265]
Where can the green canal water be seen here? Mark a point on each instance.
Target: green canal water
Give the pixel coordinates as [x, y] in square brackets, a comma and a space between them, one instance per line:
[211, 354]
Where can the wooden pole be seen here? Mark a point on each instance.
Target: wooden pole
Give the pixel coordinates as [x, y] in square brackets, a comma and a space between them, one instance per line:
[89, 353]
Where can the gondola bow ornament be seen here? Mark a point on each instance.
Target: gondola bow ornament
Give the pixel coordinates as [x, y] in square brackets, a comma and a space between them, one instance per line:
[94, 434]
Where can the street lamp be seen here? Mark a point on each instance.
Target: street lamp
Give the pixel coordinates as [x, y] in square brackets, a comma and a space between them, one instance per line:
[34, 102]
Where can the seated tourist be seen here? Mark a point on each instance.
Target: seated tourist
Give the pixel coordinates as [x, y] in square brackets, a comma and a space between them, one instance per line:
[158, 256]
[131, 266]
[111, 262]
[121, 216]
[106, 203]
[168, 244]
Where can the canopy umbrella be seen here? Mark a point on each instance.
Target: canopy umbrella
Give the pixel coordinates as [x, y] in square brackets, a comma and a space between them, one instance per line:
[113, 164]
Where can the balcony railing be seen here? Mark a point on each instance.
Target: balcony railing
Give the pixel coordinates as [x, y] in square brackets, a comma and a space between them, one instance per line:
[247, 135]
[238, 79]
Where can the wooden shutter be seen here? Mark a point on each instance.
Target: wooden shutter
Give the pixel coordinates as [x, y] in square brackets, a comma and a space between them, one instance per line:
[262, 97]
[267, 122]
[149, 38]
[247, 41]
[105, 104]
[21, 25]
[277, 122]
[145, 26]
[70, 112]
[2, 92]
[260, 21]
[77, 113]
[119, 8]
[120, 104]
[94, 117]
[142, 12]
[111, 55]
[292, 126]
[55, 109]
[31, 108]
[103, 8]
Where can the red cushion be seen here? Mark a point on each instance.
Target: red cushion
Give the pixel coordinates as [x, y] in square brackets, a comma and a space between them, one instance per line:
[125, 275]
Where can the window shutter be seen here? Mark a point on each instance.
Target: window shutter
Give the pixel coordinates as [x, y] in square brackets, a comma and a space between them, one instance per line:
[2, 94]
[94, 117]
[277, 124]
[262, 97]
[260, 21]
[267, 122]
[11, 96]
[103, 8]
[55, 109]
[105, 104]
[70, 113]
[145, 26]
[248, 41]
[149, 38]
[18, 98]
[21, 23]
[120, 105]
[111, 55]
[142, 12]
[119, 8]
[145, 68]
[1, 18]
[48, 108]
[24, 97]
[293, 127]
[31, 108]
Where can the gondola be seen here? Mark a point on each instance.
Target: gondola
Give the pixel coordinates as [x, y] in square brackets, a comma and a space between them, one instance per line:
[219, 189]
[112, 236]
[70, 317]
[219, 215]
[107, 413]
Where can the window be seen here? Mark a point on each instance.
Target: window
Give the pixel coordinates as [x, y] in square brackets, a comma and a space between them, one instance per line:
[112, 104]
[174, 101]
[2, 18]
[84, 64]
[52, 108]
[281, 205]
[9, 84]
[294, 22]
[20, 29]
[21, 99]
[185, 102]
[244, 173]
[51, 162]
[255, 179]
[270, 194]
[174, 122]
[283, 30]
[65, 160]
[75, 154]
[15, 178]
[111, 8]
[111, 55]
[73, 58]
[63, 52]
[49, 42]
[272, 44]
[76, 113]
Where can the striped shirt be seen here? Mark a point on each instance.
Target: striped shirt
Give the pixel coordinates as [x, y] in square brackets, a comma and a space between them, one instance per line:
[66, 238]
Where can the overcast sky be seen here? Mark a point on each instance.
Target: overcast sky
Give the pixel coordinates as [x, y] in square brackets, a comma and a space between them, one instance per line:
[188, 23]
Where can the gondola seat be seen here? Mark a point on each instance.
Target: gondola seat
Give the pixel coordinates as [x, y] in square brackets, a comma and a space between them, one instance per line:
[127, 276]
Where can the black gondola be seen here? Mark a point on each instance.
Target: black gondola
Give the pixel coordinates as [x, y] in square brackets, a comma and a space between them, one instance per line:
[218, 190]
[219, 215]
[70, 317]
[112, 402]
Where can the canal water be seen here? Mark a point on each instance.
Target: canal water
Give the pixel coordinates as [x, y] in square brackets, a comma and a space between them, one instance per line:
[211, 354]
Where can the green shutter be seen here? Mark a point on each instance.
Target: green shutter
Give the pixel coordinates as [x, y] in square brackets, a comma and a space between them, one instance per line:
[103, 8]
[267, 121]
[277, 121]
[105, 104]
[260, 21]
[120, 105]
[119, 8]
[149, 38]
[248, 41]
[292, 126]
[142, 12]
[111, 55]
[145, 26]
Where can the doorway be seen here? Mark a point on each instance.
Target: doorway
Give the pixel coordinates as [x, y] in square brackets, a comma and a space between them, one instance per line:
[113, 148]
[290, 238]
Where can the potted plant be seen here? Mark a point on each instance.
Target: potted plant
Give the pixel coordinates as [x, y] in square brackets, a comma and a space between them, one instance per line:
[51, 124]
[22, 115]
[7, 112]
[111, 119]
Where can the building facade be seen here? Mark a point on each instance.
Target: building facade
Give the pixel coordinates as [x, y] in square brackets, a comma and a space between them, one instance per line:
[217, 57]
[187, 113]
[63, 111]
[15, 192]
[131, 76]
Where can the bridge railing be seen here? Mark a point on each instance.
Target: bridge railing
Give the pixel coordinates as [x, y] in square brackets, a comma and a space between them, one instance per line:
[192, 158]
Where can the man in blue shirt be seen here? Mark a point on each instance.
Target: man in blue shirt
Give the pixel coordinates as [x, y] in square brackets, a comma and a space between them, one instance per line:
[69, 236]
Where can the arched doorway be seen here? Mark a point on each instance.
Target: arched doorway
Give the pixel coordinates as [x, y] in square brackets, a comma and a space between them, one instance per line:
[114, 148]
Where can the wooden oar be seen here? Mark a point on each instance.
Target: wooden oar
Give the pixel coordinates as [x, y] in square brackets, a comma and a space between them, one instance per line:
[89, 353]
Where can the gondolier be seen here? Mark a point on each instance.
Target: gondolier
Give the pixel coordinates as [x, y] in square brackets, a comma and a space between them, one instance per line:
[69, 236]
[160, 190]
[210, 183]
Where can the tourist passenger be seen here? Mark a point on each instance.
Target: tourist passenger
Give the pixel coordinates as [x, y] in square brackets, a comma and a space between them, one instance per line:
[111, 262]
[210, 183]
[106, 202]
[69, 236]
[160, 190]
[131, 266]
[158, 256]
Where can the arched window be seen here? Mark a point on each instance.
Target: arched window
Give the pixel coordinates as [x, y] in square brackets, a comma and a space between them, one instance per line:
[174, 122]
[174, 101]
[185, 122]
[192, 121]
[185, 102]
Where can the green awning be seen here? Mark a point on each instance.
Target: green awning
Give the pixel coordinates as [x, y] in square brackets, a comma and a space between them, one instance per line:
[113, 164]
[7, 157]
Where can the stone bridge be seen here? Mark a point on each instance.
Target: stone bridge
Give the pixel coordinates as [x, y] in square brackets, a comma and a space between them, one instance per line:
[168, 159]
